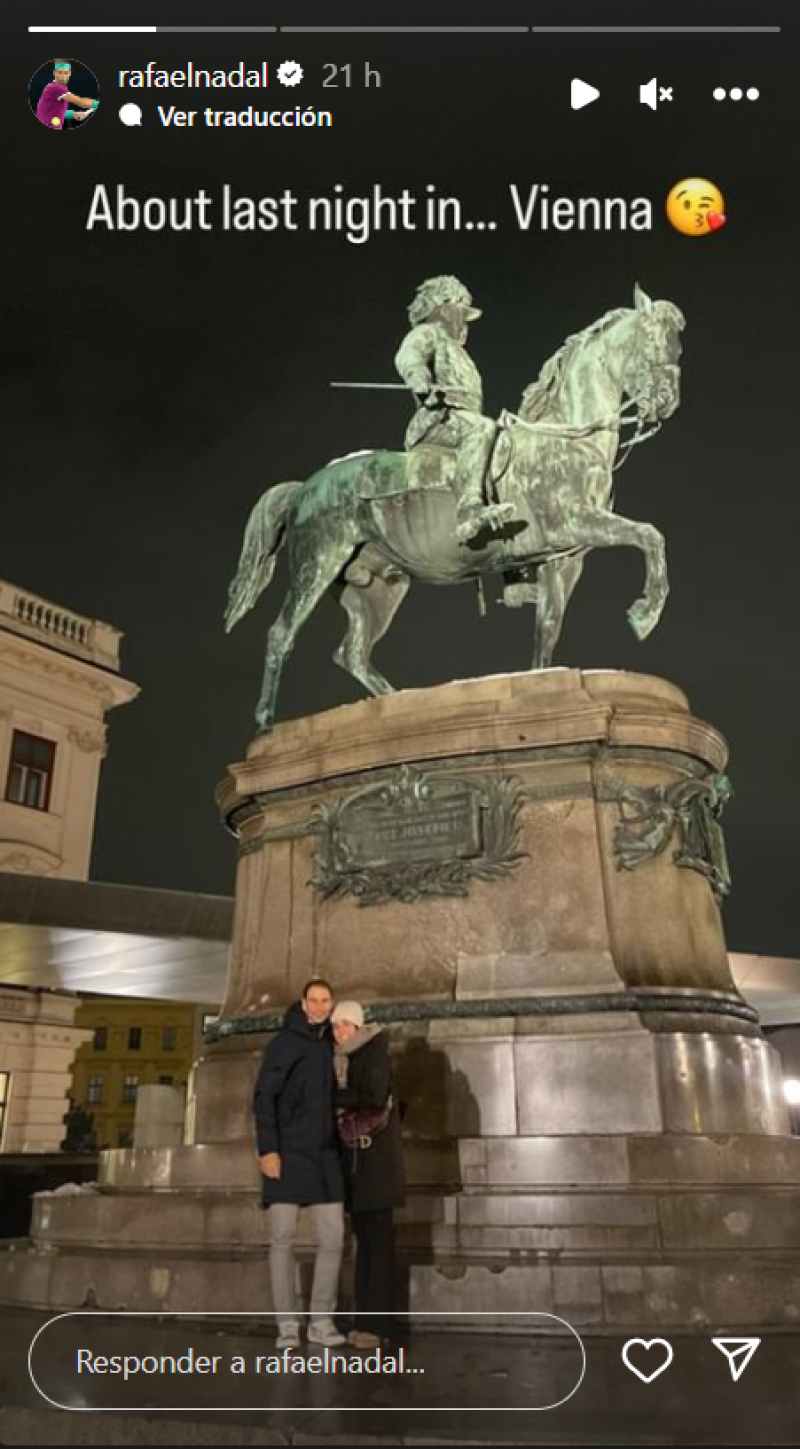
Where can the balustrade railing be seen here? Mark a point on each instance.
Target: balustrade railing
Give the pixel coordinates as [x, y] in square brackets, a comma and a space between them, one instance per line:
[62, 627]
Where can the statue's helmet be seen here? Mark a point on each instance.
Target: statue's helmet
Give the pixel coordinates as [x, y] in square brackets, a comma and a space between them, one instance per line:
[435, 293]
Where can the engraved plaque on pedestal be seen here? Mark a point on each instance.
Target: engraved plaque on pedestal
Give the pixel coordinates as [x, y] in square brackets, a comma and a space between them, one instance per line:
[417, 835]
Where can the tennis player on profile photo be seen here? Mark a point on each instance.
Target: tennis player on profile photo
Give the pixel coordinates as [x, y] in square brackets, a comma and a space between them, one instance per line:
[57, 101]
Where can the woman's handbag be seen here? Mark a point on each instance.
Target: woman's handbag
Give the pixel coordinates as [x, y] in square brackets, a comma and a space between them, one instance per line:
[358, 1125]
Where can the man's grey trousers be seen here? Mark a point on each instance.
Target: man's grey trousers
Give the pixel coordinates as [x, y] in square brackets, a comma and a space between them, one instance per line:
[328, 1218]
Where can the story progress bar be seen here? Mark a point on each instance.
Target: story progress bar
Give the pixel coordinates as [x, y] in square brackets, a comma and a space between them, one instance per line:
[404, 29]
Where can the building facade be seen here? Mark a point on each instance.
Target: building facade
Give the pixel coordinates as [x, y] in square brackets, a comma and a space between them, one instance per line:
[59, 678]
[131, 1044]
[38, 1040]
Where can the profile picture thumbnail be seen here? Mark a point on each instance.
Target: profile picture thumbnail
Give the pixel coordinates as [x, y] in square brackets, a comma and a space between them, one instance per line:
[64, 94]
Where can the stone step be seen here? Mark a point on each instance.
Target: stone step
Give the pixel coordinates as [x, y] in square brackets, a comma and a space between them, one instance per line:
[509, 1163]
[723, 1290]
[673, 1219]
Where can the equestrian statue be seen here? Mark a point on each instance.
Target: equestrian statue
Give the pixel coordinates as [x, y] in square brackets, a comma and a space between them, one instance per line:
[524, 497]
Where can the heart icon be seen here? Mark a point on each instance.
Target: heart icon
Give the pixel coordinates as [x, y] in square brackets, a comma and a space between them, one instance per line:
[648, 1343]
[715, 220]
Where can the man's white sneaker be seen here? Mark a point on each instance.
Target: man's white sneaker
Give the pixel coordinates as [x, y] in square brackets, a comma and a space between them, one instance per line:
[288, 1335]
[325, 1332]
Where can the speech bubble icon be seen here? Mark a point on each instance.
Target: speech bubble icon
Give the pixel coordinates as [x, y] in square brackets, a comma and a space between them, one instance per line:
[130, 115]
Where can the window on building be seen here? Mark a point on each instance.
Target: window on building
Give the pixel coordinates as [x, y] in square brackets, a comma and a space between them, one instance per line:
[30, 771]
[94, 1091]
[169, 1038]
[5, 1083]
[125, 1137]
[134, 1038]
[130, 1088]
[165, 1081]
[100, 1040]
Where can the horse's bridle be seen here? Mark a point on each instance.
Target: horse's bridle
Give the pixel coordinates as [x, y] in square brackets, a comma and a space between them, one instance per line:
[642, 433]
[623, 417]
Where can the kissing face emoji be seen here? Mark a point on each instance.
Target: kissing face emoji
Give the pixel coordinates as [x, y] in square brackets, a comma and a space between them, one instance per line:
[696, 206]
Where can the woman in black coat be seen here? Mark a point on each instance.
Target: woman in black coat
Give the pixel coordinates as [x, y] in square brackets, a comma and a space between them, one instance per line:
[373, 1164]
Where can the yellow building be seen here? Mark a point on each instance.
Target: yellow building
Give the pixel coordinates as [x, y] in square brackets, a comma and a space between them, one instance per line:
[134, 1044]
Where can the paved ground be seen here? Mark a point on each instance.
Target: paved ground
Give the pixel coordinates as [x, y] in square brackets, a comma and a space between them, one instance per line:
[454, 1389]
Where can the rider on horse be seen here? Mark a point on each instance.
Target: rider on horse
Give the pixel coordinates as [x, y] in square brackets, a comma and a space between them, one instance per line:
[434, 363]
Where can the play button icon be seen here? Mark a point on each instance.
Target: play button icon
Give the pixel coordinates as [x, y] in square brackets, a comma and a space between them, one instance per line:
[582, 94]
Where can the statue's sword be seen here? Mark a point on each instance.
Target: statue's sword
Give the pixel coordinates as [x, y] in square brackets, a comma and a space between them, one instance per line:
[397, 387]
[400, 387]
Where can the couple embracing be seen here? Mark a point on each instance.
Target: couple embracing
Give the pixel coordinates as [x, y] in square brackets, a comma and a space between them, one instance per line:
[328, 1133]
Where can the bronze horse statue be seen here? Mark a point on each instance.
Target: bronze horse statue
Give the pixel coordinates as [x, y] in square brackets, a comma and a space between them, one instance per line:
[372, 521]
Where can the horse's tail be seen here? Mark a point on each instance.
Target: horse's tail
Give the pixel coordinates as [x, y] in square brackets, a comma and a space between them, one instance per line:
[263, 537]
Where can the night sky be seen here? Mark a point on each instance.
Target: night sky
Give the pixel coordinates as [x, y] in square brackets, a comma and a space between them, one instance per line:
[154, 384]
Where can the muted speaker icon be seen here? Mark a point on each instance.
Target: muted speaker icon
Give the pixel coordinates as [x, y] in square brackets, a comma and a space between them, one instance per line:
[651, 93]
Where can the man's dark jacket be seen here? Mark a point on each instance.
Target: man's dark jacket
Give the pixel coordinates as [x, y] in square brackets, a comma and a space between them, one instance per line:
[293, 1104]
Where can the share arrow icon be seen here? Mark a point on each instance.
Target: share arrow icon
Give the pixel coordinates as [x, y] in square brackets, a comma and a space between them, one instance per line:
[738, 1352]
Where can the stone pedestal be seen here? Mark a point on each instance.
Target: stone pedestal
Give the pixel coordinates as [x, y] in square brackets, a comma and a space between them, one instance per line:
[159, 1119]
[521, 876]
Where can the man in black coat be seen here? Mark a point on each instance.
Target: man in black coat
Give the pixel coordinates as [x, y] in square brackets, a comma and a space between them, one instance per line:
[300, 1161]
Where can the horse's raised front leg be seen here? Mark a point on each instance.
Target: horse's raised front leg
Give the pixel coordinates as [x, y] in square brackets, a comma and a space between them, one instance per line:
[556, 580]
[607, 530]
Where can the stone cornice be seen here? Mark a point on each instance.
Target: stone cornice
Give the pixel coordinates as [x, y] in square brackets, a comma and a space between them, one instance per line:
[686, 1004]
[502, 716]
[109, 688]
